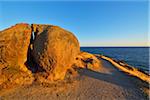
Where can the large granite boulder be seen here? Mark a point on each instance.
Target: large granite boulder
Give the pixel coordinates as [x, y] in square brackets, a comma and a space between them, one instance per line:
[54, 50]
[14, 43]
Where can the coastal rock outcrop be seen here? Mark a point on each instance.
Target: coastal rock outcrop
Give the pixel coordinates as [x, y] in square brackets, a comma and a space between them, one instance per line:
[14, 43]
[87, 60]
[54, 50]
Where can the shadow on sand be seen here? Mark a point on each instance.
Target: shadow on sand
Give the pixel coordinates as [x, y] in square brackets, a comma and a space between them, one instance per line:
[110, 78]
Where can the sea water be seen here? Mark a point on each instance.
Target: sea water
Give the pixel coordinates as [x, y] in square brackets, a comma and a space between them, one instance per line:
[135, 56]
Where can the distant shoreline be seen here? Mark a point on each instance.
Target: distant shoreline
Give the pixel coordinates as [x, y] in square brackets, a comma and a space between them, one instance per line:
[128, 69]
[137, 57]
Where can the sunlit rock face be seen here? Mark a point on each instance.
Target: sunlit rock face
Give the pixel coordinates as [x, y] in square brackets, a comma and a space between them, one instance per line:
[54, 50]
[89, 61]
[14, 43]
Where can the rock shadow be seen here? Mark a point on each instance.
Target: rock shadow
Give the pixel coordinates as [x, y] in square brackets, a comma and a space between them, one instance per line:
[30, 63]
[110, 78]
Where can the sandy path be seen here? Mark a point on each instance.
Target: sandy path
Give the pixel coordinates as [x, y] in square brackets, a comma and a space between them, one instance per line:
[108, 84]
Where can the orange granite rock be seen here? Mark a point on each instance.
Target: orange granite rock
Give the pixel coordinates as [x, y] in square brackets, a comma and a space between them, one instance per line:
[87, 60]
[54, 49]
[14, 43]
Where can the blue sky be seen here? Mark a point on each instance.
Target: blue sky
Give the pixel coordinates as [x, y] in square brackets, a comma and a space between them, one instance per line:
[95, 23]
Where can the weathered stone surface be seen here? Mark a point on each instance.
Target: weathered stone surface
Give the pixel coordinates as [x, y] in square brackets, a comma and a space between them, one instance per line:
[11, 77]
[14, 43]
[54, 49]
[87, 60]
